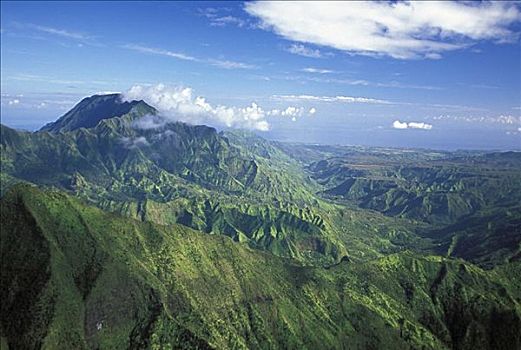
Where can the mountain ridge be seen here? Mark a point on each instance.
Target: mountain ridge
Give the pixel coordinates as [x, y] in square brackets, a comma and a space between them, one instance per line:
[401, 300]
[112, 233]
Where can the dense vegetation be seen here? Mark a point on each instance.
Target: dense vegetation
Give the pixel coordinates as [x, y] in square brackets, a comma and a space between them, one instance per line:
[119, 230]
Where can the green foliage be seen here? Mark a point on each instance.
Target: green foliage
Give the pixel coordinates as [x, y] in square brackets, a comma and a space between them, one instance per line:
[151, 286]
[433, 190]
[184, 174]
[226, 240]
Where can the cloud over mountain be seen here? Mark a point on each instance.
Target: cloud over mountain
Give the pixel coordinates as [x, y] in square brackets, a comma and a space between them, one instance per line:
[181, 104]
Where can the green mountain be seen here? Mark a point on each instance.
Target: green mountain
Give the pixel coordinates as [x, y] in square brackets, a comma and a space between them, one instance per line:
[433, 190]
[469, 201]
[120, 229]
[178, 173]
[76, 277]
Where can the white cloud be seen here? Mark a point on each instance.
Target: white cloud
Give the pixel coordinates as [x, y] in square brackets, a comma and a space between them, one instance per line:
[230, 64]
[291, 111]
[345, 99]
[362, 82]
[179, 103]
[399, 125]
[226, 64]
[299, 49]
[411, 125]
[351, 99]
[225, 20]
[52, 80]
[220, 17]
[404, 30]
[149, 122]
[81, 38]
[162, 52]
[62, 32]
[107, 92]
[14, 102]
[417, 125]
[132, 143]
[500, 119]
[317, 70]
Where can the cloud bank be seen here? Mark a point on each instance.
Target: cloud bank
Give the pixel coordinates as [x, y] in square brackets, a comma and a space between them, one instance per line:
[403, 30]
[345, 99]
[180, 104]
[500, 119]
[411, 125]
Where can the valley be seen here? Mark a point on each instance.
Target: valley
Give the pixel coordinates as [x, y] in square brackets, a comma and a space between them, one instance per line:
[121, 230]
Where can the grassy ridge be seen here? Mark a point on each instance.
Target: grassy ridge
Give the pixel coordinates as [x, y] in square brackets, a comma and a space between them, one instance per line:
[101, 280]
[182, 174]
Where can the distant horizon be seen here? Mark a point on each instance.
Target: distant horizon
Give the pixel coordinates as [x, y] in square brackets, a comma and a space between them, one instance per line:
[284, 136]
[432, 75]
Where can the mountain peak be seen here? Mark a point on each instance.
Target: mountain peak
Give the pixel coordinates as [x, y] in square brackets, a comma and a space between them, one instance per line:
[91, 110]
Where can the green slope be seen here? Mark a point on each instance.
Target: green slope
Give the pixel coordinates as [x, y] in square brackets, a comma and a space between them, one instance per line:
[75, 277]
[466, 203]
[179, 174]
[421, 187]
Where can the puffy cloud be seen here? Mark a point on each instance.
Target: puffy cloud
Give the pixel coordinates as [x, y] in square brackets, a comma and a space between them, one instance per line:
[14, 102]
[292, 112]
[179, 103]
[345, 99]
[411, 125]
[399, 125]
[404, 30]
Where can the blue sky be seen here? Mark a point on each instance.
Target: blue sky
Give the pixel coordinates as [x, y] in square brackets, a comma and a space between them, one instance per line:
[440, 75]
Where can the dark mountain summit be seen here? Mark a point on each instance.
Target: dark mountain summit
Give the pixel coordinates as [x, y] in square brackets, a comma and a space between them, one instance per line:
[91, 110]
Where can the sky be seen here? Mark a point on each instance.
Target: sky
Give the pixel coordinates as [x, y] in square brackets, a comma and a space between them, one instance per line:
[442, 75]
